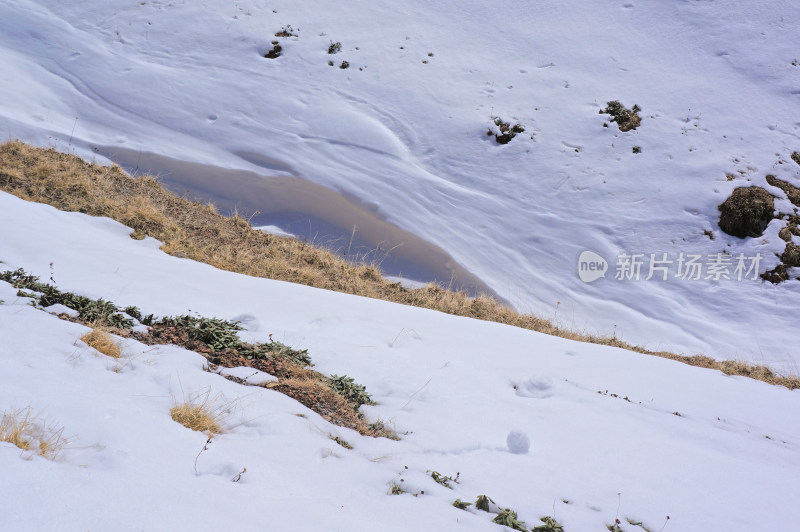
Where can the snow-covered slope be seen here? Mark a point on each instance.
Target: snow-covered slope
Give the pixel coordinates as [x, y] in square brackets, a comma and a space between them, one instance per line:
[611, 432]
[404, 129]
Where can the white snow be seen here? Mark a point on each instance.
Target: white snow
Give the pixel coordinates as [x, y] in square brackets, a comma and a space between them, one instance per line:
[61, 309]
[610, 431]
[716, 81]
[711, 451]
[518, 442]
[273, 230]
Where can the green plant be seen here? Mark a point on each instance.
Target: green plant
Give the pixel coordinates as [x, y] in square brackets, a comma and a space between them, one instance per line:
[215, 333]
[461, 505]
[355, 394]
[334, 48]
[134, 312]
[344, 65]
[509, 518]
[397, 490]
[637, 149]
[550, 525]
[505, 131]
[444, 480]
[637, 523]
[273, 347]
[98, 312]
[482, 502]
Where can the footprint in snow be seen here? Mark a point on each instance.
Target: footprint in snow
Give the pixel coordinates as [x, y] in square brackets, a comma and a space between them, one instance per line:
[534, 387]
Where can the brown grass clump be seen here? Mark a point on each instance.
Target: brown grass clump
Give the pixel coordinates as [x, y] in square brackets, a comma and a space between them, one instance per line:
[196, 231]
[23, 429]
[746, 212]
[203, 413]
[103, 342]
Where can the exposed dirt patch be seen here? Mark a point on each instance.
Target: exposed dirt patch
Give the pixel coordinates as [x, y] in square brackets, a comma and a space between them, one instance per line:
[746, 212]
[275, 51]
[792, 192]
[790, 258]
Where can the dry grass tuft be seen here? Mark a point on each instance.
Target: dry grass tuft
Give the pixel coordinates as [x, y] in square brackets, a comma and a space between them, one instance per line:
[204, 413]
[196, 231]
[103, 342]
[23, 429]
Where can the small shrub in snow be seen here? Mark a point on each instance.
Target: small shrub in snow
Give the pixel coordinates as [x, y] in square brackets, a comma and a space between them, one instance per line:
[509, 518]
[461, 505]
[503, 131]
[637, 149]
[134, 312]
[97, 312]
[274, 347]
[355, 393]
[287, 31]
[344, 65]
[216, 333]
[342, 442]
[334, 48]
[626, 119]
[550, 525]
[444, 480]
[482, 502]
[796, 157]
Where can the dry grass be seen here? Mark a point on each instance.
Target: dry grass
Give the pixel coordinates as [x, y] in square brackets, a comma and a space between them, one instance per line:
[204, 413]
[26, 431]
[197, 231]
[103, 342]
